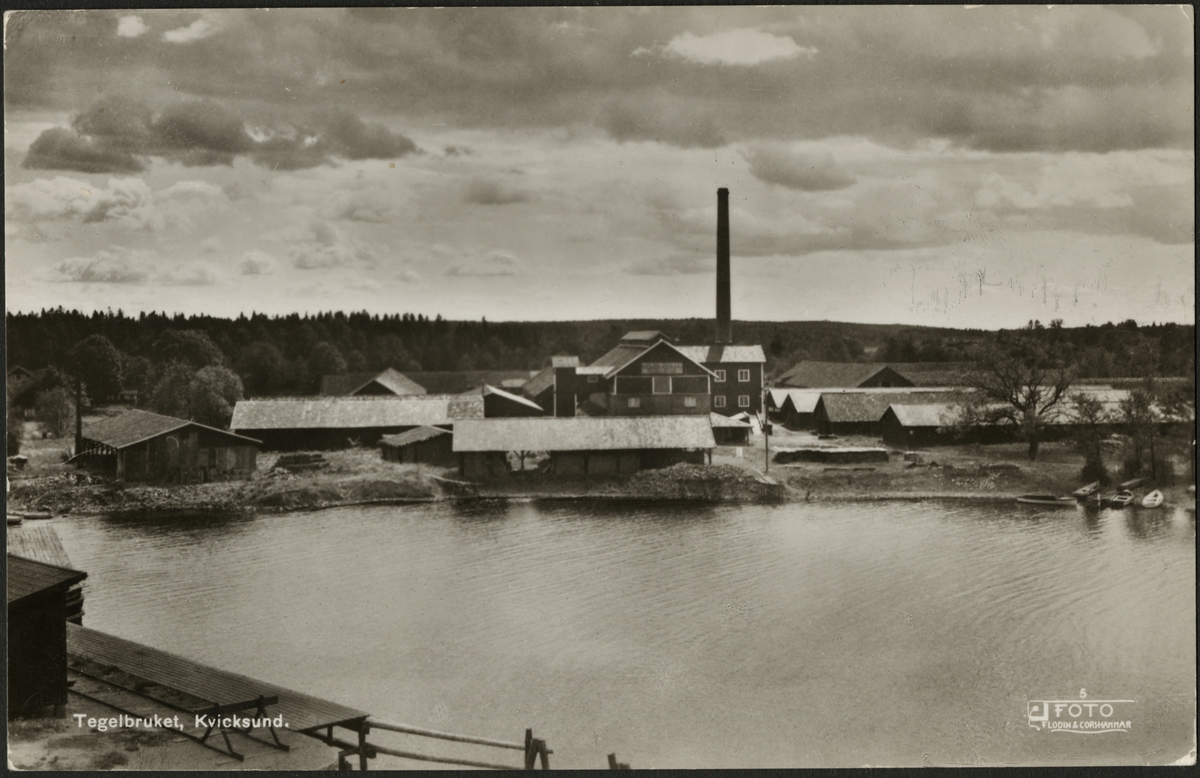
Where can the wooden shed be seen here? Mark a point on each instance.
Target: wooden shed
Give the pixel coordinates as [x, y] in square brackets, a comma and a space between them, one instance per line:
[38, 541]
[37, 636]
[860, 411]
[728, 431]
[420, 445]
[904, 426]
[581, 445]
[144, 446]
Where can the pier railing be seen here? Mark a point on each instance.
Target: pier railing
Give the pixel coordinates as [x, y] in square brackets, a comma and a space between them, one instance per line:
[534, 749]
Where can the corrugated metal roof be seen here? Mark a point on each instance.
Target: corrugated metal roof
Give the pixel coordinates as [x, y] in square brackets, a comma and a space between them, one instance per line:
[830, 374]
[870, 405]
[512, 397]
[394, 381]
[723, 353]
[27, 577]
[415, 435]
[584, 434]
[135, 426]
[355, 412]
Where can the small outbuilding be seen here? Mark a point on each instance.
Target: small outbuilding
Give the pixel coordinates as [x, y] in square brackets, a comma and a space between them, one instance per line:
[905, 426]
[420, 445]
[144, 446]
[37, 636]
[728, 431]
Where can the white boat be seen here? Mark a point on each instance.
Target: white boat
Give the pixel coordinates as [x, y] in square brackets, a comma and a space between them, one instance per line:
[1120, 499]
[1086, 491]
[1152, 500]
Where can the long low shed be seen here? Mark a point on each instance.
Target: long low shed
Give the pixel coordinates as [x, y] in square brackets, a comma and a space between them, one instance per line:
[289, 423]
[613, 445]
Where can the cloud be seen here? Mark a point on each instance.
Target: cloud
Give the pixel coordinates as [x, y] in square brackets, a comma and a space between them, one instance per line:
[373, 204]
[494, 263]
[742, 47]
[652, 120]
[114, 266]
[121, 136]
[777, 164]
[61, 149]
[211, 245]
[131, 27]
[458, 151]
[257, 263]
[197, 30]
[189, 274]
[489, 192]
[327, 246]
[126, 201]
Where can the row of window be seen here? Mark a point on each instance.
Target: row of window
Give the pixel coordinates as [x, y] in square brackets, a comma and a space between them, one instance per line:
[636, 402]
[690, 402]
[743, 376]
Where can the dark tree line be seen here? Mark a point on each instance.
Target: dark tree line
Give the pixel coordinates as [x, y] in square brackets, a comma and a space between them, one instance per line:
[274, 355]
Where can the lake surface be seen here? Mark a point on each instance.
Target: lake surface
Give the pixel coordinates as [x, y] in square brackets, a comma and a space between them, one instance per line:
[814, 635]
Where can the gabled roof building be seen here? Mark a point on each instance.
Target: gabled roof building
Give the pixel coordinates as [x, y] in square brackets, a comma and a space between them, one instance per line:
[143, 446]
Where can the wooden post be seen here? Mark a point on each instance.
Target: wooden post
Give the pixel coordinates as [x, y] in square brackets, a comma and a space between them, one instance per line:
[530, 754]
[363, 728]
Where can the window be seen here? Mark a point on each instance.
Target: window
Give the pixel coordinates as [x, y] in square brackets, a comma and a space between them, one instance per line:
[743, 375]
[635, 402]
[718, 401]
[720, 376]
[662, 368]
[689, 402]
[743, 401]
[662, 384]
[593, 379]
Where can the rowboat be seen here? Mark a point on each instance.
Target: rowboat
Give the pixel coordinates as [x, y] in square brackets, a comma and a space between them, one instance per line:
[1045, 499]
[1086, 491]
[1152, 500]
[1132, 483]
[1120, 499]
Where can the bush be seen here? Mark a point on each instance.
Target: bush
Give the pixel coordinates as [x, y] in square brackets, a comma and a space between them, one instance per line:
[12, 442]
[1164, 470]
[1131, 467]
[1094, 470]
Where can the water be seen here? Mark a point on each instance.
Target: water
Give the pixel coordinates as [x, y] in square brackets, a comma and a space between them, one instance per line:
[686, 636]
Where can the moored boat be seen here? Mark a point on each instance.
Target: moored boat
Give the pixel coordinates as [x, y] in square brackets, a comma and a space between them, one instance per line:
[1086, 491]
[1153, 499]
[1120, 499]
[1045, 499]
[13, 520]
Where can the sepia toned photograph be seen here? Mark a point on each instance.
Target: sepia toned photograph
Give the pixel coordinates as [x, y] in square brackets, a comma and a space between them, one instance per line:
[603, 388]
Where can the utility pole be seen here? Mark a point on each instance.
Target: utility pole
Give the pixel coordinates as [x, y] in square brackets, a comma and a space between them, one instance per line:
[78, 413]
[766, 428]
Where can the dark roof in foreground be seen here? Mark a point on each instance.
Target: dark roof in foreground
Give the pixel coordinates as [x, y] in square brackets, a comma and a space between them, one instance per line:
[584, 433]
[415, 435]
[135, 426]
[28, 577]
[355, 412]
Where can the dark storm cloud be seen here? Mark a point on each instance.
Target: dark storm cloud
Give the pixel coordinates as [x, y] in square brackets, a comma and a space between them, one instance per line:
[119, 136]
[61, 149]
[998, 78]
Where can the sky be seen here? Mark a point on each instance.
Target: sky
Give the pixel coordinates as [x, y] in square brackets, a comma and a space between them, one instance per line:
[943, 166]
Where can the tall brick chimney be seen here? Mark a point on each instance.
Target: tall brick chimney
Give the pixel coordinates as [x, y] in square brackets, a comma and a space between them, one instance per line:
[724, 324]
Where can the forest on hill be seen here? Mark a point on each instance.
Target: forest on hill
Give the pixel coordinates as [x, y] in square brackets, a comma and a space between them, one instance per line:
[276, 355]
